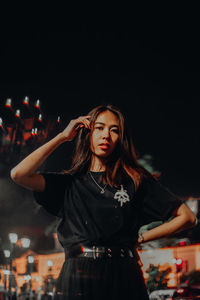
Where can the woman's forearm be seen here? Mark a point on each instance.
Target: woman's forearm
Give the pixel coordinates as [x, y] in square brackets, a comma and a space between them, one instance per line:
[177, 224]
[25, 173]
[33, 161]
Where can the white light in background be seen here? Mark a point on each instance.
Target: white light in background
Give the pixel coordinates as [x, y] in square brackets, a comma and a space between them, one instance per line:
[17, 113]
[6, 253]
[37, 104]
[30, 259]
[25, 242]
[174, 260]
[8, 102]
[49, 263]
[26, 100]
[13, 237]
[27, 277]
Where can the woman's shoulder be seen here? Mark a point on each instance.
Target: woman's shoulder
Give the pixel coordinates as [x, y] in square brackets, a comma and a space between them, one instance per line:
[57, 177]
[148, 183]
[148, 179]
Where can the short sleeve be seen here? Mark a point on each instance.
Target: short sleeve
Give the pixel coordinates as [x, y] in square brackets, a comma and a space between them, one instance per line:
[52, 198]
[158, 202]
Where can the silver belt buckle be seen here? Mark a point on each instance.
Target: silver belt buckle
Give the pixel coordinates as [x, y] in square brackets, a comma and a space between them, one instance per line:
[97, 250]
[87, 249]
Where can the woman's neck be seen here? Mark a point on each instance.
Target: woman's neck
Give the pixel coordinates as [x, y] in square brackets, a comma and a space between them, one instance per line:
[97, 165]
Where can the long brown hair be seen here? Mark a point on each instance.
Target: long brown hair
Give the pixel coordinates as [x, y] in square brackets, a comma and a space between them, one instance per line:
[122, 160]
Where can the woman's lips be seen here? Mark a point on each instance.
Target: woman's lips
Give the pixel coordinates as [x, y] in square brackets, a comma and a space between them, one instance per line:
[104, 146]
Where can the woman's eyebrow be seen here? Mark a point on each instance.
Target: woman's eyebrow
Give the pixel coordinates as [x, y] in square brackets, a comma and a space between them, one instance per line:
[101, 123]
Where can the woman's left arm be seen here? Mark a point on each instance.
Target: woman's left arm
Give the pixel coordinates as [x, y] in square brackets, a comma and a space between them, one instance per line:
[183, 219]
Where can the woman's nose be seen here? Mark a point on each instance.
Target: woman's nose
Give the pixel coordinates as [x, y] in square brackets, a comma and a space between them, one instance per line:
[106, 133]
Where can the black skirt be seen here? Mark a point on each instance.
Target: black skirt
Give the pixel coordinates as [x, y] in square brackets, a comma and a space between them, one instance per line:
[103, 278]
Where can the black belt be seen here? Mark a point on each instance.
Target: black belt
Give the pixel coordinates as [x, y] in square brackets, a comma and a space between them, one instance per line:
[101, 252]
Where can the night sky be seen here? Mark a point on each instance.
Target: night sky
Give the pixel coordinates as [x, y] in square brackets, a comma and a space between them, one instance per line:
[151, 75]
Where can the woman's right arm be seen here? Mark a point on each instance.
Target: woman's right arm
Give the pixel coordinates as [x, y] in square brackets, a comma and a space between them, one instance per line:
[25, 174]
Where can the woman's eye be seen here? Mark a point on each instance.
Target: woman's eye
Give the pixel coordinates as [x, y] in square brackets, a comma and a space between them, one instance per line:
[100, 128]
[116, 131]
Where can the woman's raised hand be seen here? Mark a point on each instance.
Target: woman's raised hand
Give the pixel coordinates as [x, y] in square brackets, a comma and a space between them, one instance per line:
[25, 172]
[73, 127]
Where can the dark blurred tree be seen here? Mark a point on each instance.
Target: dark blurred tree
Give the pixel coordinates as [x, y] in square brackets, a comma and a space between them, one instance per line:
[192, 278]
[157, 278]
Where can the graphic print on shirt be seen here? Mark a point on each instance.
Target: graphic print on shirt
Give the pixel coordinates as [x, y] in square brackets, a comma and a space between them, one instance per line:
[122, 196]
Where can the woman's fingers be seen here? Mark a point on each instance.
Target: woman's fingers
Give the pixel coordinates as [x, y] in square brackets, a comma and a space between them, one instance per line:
[83, 122]
[72, 129]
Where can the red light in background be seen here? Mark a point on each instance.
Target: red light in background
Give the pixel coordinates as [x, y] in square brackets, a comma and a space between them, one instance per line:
[26, 101]
[37, 104]
[17, 113]
[180, 291]
[58, 119]
[40, 118]
[8, 102]
[182, 243]
[32, 132]
[179, 265]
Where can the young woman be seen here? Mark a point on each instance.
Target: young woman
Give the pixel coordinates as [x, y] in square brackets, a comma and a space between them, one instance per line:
[102, 201]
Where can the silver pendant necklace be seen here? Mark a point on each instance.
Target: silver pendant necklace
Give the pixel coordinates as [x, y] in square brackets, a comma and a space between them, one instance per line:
[120, 195]
[102, 189]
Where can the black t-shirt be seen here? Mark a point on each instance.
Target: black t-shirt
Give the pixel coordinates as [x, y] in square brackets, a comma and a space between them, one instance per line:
[113, 218]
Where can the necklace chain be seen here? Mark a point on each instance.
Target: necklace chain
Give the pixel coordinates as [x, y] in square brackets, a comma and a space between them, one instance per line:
[101, 188]
[121, 195]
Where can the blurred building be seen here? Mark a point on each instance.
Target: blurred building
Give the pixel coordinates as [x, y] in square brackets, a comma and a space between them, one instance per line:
[42, 270]
[181, 260]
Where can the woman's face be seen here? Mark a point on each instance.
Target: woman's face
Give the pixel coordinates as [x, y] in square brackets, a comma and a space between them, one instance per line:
[105, 134]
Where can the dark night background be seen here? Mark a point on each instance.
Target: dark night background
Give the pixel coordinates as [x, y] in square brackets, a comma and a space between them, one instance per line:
[151, 74]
